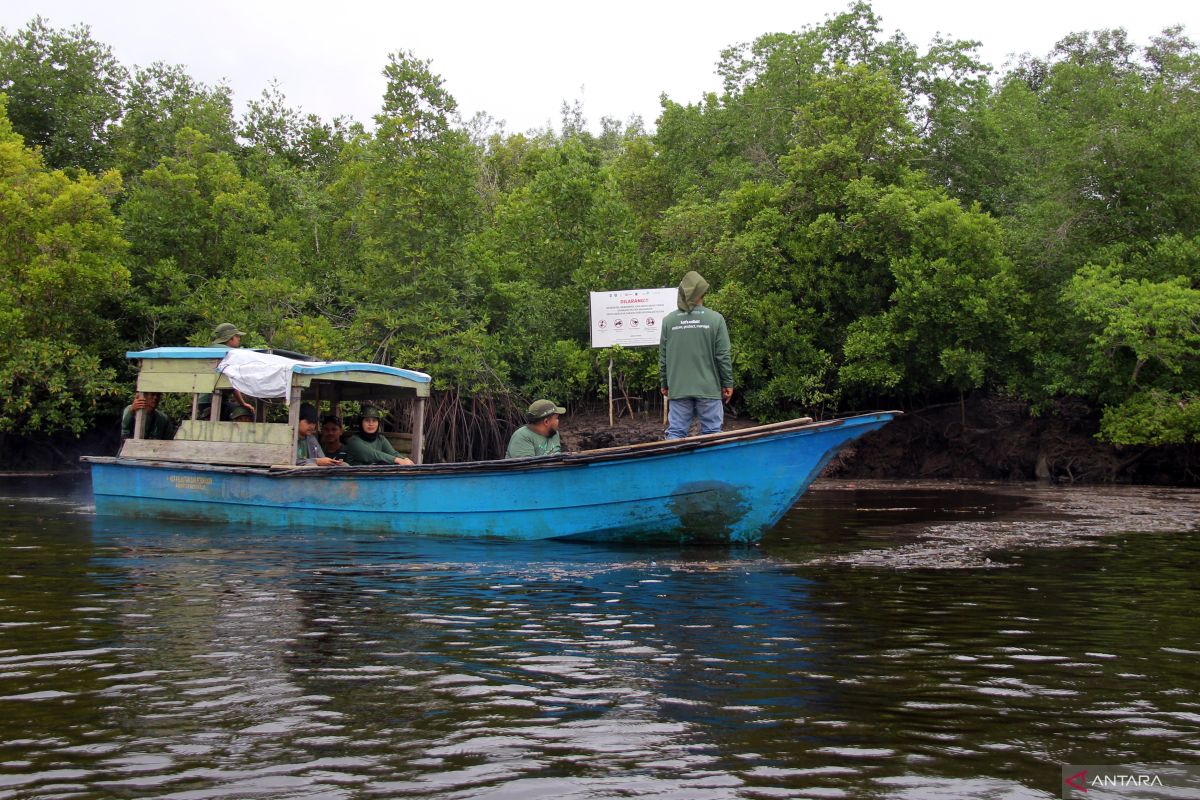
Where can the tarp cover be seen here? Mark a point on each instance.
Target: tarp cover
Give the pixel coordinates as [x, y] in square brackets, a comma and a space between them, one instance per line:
[258, 374]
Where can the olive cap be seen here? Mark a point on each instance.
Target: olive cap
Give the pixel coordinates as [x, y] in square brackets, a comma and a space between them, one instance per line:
[224, 332]
[540, 409]
[239, 411]
[371, 412]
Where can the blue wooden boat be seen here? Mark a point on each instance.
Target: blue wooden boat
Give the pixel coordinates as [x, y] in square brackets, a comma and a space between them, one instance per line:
[724, 487]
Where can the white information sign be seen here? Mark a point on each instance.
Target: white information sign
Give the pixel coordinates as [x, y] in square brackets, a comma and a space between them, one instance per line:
[630, 318]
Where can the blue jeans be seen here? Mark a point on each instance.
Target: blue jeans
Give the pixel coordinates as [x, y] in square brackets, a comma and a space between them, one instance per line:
[682, 411]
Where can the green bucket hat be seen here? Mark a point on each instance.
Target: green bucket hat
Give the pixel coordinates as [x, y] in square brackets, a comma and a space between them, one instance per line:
[540, 409]
[371, 412]
[237, 412]
[224, 332]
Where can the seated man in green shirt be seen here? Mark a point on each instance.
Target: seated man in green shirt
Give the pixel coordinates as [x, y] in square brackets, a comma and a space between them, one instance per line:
[369, 445]
[539, 436]
[158, 424]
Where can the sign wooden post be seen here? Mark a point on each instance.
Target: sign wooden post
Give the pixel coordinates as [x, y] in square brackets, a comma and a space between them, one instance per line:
[610, 411]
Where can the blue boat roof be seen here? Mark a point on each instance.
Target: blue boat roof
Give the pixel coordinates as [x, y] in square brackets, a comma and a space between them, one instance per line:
[301, 367]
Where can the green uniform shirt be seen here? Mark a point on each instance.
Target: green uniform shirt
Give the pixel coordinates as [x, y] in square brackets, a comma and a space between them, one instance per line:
[158, 424]
[340, 453]
[694, 354]
[525, 443]
[359, 451]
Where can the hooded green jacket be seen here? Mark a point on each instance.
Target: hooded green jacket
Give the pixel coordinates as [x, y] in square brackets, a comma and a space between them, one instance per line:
[693, 350]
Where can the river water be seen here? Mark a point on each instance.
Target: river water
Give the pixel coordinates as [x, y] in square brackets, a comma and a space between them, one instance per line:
[884, 641]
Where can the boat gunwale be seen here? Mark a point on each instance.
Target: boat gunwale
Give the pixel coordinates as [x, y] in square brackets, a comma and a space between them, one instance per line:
[535, 463]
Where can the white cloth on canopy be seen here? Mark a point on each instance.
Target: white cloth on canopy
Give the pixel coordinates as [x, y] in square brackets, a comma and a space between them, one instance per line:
[258, 374]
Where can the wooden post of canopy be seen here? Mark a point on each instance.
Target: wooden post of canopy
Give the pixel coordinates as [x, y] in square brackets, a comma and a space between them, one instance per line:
[418, 432]
[195, 405]
[218, 400]
[139, 424]
[294, 422]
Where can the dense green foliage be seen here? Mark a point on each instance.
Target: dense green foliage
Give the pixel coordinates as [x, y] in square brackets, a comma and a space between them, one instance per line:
[882, 224]
[62, 282]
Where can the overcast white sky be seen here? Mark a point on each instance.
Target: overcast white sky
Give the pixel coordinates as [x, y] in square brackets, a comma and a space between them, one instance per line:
[519, 61]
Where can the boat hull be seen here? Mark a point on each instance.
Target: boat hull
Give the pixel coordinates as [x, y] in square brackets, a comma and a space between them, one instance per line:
[726, 488]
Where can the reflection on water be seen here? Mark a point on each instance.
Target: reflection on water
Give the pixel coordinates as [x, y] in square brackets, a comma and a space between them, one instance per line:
[200, 662]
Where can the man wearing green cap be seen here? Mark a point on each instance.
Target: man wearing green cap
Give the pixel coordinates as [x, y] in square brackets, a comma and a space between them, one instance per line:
[369, 445]
[694, 363]
[227, 335]
[539, 436]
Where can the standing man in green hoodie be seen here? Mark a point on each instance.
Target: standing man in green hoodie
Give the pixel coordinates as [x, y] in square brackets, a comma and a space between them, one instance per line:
[694, 364]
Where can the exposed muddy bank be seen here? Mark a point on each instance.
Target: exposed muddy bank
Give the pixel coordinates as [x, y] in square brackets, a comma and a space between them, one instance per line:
[992, 532]
[999, 439]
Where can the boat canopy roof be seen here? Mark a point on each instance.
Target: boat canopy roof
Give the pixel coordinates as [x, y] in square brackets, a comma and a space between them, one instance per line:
[193, 369]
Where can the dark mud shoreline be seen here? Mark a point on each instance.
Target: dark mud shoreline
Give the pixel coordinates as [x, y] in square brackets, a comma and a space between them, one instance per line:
[1003, 439]
[1024, 516]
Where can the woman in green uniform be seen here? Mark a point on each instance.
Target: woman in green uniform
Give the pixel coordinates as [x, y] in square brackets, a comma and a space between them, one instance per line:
[369, 445]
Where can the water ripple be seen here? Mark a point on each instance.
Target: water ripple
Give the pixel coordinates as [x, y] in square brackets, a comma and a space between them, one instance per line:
[142, 660]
